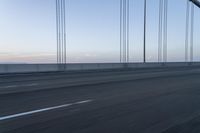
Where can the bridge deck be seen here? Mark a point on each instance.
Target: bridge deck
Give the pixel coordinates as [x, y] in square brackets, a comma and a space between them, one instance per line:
[159, 101]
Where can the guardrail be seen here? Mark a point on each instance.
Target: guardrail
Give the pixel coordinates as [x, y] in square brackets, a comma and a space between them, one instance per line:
[28, 68]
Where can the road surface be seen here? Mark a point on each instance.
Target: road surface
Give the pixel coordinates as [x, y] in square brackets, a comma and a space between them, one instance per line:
[133, 101]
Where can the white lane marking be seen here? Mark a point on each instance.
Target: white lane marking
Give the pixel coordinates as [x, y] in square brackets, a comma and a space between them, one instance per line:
[10, 86]
[42, 110]
[33, 84]
[25, 85]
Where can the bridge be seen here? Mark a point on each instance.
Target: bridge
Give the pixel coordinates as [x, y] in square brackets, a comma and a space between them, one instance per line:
[123, 97]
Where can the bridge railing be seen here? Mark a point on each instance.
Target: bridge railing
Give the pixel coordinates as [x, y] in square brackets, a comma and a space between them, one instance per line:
[31, 68]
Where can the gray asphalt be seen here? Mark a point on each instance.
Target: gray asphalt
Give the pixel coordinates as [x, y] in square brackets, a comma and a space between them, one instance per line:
[167, 102]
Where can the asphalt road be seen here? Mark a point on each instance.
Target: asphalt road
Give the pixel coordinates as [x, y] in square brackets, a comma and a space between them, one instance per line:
[167, 102]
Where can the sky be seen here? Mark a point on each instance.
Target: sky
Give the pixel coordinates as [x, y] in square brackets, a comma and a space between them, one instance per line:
[28, 31]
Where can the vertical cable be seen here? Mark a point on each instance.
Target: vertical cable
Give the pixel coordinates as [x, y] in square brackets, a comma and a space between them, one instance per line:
[64, 21]
[160, 31]
[159, 24]
[61, 41]
[124, 31]
[57, 31]
[187, 30]
[165, 31]
[128, 30]
[62, 25]
[61, 32]
[121, 31]
[145, 10]
[191, 33]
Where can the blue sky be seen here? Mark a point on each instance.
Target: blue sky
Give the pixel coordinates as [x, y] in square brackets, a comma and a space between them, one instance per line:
[28, 31]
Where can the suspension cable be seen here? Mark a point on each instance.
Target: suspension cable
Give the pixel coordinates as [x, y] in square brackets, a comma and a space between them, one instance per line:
[160, 31]
[144, 41]
[121, 31]
[128, 4]
[64, 21]
[187, 30]
[57, 31]
[165, 30]
[192, 33]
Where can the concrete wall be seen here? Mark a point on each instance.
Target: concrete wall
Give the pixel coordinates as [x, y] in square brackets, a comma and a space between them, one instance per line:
[169, 64]
[25, 68]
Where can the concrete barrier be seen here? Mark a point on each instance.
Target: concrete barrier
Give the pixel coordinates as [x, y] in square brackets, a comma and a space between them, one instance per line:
[47, 67]
[144, 65]
[29, 68]
[23, 68]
